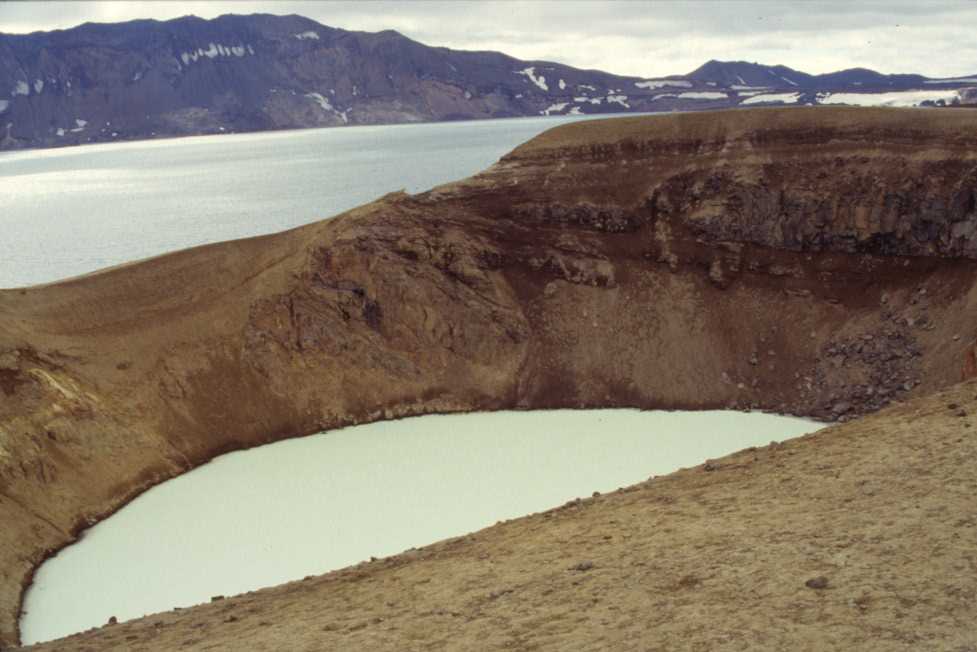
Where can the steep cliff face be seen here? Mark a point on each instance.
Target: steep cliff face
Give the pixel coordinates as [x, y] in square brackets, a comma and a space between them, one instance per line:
[813, 261]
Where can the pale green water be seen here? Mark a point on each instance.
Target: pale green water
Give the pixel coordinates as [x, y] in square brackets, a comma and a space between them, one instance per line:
[305, 506]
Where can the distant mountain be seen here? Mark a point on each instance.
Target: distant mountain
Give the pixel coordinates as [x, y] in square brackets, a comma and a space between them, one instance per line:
[146, 79]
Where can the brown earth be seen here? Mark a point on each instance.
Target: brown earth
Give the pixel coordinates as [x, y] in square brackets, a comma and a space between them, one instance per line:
[819, 262]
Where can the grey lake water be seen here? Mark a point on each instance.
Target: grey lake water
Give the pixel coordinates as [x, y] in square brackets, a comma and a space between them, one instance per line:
[71, 211]
[279, 512]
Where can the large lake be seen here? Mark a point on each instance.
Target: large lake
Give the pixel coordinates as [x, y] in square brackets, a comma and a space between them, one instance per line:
[280, 512]
[70, 211]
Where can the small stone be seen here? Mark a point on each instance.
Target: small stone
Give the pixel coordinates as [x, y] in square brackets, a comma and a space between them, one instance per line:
[962, 413]
[710, 467]
[216, 598]
[820, 582]
[595, 494]
[113, 621]
[583, 566]
[956, 338]
[952, 406]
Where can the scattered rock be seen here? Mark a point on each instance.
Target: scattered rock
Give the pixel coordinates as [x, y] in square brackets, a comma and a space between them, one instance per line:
[962, 413]
[583, 566]
[113, 621]
[216, 598]
[819, 582]
[841, 407]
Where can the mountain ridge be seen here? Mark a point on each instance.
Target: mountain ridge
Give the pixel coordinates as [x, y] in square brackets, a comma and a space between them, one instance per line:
[105, 82]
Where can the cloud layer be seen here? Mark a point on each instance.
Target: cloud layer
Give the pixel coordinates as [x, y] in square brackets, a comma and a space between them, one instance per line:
[636, 38]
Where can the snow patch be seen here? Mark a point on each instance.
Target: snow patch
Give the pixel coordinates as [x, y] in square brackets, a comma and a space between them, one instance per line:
[215, 50]
[3, 105]
[530, 73]
[783, 98]
[738, 87]
[21, 88]
[792, 83]
[38, 86]
[967, 80]
[307, 35]
[554, 108]
[60, 131]
[619, 99]
[563, 85]
[703, 95]
[575, 111]
[740, 80]
[894, 98]
[586, 87]
[321, 101]
[663, 83]
[327, 106]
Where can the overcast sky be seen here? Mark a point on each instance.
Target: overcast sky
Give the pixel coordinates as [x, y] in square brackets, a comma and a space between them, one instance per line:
[625, 37]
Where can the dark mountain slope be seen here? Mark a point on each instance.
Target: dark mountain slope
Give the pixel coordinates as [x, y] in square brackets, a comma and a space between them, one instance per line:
[145, 79]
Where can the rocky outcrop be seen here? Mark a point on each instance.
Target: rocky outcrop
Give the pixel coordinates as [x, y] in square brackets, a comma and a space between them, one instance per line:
[745, 259]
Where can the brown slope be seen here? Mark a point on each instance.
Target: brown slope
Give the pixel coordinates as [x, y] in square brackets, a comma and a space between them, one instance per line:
[724, 556]
[819, 262]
